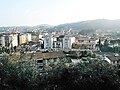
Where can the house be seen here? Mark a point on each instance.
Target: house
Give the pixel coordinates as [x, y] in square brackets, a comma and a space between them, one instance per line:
[39, 60]
[113, 59]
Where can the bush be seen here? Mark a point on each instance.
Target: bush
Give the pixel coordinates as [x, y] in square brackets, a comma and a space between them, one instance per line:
[96, 75]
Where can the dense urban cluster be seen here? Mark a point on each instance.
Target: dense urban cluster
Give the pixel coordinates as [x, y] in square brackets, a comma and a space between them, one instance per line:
[59, 60]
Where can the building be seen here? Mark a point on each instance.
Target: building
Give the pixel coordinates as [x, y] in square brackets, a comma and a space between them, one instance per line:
[39, 60]
[86, 43]
[67, 42]
[11, 40]
[2, 40]
[35, 36]
[48, 42]
[28, 35]
[22, 38]
[57, 44]
[113, 59]
[14, 39]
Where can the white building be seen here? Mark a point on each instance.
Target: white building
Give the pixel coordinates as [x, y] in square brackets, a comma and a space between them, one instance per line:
[48, 42]
[29, 37]
[40, 36]
[2, 40]
[13, 39]
[67, 42]
[57, 44]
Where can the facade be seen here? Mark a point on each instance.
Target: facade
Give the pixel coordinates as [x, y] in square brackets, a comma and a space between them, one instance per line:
[48, 42]
[39, 60]
[40, 36]
[14, 40]
[57, 44]
[11, 40]
[22, 38]
[34, 37]
[86, 43]
[67, 42]
[37, 63]
[113, 59]
[2, 40]
[28, 35]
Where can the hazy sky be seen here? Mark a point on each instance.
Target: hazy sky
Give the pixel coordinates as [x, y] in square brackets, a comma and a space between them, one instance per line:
[54, 12]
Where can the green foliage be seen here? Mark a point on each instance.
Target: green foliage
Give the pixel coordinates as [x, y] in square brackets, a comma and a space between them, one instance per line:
[15, 76]
[110, 49]
[95, 75]
[4, 50]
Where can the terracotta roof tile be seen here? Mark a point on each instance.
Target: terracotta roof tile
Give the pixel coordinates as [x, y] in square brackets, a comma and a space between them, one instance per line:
[46, 55]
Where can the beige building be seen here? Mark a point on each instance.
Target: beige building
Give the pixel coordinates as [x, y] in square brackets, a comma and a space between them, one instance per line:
[22, 38]
[85, 43]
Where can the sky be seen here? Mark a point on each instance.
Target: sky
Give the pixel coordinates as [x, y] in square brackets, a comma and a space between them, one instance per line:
[55, 12]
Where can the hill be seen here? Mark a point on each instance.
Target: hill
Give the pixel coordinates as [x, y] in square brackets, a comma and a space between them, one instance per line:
[84, 26]
[91, 25]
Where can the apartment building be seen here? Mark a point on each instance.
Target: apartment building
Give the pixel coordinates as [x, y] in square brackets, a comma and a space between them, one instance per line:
[22, 38]
[28, 36]
[67, 42]
[48, 42]
[11, 40]
[2, 40]
[86, 42]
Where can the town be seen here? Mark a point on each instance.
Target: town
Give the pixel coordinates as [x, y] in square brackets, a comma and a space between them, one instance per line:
[59, 45]
[39, 48]
[39, 58]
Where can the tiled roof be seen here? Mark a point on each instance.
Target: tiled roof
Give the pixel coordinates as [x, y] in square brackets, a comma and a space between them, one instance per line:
[114, 57]
[46, 55]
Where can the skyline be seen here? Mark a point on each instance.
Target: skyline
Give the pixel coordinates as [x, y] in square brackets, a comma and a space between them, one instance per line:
[55, 12]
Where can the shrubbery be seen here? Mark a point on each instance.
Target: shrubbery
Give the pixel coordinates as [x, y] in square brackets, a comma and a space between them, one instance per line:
[95, 75]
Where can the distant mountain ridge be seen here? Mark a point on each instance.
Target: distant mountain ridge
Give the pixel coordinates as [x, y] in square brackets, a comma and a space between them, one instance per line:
[89, 25]
[102, 24]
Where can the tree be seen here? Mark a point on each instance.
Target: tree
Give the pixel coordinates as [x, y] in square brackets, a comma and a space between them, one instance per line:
[95, 75]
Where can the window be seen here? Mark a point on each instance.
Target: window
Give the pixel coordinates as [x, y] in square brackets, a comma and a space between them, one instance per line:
[39, 61]
[117, 62]
[113, 62]
[40, 67]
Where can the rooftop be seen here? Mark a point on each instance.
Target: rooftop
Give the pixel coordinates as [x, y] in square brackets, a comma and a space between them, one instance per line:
[44, 55]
